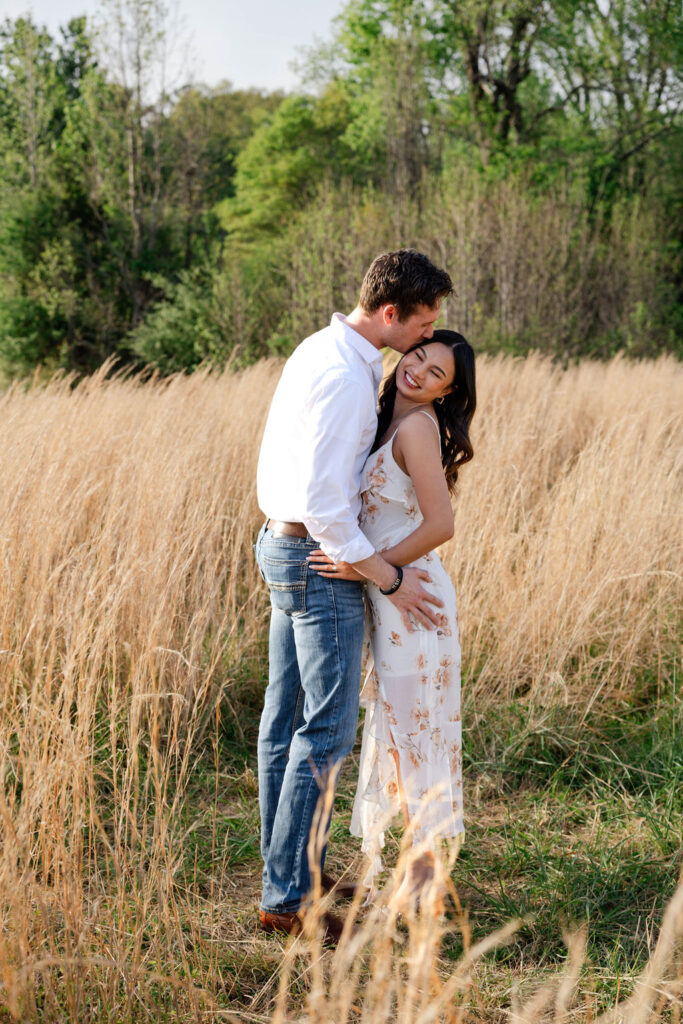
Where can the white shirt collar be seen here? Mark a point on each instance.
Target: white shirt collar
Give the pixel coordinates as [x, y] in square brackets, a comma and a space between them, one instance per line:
[366, 349]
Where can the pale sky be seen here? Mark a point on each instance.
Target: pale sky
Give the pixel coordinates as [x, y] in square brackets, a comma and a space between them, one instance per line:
[248, 42]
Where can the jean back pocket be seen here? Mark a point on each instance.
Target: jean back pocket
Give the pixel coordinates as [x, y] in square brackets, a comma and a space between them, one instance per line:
[284, 568]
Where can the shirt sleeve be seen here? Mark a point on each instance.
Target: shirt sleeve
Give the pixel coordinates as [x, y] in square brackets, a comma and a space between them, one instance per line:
[329, 467]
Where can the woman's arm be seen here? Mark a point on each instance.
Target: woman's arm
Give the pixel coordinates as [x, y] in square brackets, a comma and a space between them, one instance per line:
[417, 452]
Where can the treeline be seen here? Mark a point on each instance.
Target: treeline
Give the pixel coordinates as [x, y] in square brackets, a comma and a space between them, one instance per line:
[533, 148]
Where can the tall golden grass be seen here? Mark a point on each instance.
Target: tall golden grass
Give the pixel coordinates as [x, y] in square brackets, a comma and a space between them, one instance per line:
[567, 548]
[130, 610]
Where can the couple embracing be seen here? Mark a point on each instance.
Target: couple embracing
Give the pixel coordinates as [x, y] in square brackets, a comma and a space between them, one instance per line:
[356, 497]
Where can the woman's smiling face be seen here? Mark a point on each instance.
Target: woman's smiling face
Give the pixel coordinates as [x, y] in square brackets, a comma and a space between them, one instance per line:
[426, 373]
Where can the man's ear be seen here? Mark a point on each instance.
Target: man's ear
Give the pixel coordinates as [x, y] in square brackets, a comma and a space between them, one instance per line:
[389, 314]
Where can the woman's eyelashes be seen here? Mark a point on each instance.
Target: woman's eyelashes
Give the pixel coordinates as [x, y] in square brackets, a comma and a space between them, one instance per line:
[436, 370]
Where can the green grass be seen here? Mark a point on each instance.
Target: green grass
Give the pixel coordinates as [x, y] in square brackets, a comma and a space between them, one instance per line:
[575, 822]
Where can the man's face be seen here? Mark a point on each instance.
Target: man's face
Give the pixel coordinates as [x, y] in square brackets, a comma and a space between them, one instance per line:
[403, 334]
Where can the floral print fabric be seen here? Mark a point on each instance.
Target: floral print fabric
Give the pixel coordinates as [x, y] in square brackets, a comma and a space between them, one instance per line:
[412, 686]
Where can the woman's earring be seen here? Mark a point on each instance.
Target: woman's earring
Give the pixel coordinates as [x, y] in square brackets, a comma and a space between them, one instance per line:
[440, 400]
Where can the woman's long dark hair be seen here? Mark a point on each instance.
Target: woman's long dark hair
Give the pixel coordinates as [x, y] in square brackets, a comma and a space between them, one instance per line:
[454, 413]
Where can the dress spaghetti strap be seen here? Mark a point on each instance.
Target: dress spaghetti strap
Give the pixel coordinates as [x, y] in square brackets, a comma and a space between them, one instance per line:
[424, 413]
[431, 418]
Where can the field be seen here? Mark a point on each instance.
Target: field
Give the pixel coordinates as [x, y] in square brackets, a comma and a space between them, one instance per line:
[132, 665]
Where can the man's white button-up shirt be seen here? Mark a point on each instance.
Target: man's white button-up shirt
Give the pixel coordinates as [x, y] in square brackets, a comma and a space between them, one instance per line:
[319, 432]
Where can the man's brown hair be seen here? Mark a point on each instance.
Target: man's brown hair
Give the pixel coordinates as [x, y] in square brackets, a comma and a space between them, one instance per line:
[406, 279]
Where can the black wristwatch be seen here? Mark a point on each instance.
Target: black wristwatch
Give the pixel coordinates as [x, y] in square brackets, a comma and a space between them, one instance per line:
[396, 584]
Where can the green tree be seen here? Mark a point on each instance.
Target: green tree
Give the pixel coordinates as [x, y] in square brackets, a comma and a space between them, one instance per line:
[285, 160]
[36, 258]
[382, 61]
[31, 94]
[207, 128]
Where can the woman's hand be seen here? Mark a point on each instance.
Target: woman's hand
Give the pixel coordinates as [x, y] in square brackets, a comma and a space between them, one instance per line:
[324, 566]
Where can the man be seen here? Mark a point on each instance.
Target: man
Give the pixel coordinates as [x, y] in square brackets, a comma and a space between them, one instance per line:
[320, 429]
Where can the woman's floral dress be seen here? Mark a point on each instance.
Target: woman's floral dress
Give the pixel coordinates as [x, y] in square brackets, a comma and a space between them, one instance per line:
[412, 686]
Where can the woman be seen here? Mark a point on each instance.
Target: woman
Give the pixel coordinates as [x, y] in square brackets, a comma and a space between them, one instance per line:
[411, 753]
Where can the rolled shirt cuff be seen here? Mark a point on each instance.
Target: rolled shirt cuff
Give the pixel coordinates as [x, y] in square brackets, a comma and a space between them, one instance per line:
[354, 548]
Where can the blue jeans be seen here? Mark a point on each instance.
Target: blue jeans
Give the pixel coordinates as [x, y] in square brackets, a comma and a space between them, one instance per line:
[310, 712]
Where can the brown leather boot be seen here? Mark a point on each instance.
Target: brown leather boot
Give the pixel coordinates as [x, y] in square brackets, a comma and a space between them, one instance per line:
[291, 924]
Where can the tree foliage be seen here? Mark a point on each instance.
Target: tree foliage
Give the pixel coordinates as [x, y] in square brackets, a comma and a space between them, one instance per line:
[109, 183]
[532, 146]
